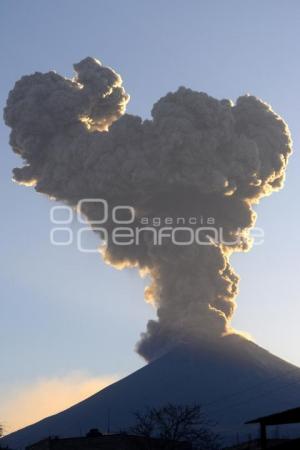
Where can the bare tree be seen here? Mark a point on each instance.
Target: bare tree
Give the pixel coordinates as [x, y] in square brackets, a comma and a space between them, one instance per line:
[1, 434]
[177, 423]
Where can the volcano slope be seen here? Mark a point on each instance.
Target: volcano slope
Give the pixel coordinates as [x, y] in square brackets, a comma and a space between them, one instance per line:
[232, 378]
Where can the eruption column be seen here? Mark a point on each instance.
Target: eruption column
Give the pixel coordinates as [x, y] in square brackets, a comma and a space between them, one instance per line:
[196, 156]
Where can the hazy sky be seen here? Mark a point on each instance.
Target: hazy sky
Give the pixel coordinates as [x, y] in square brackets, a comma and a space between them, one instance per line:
[64, 312]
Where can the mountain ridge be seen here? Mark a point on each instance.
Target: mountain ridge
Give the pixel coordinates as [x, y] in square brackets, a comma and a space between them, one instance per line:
[233, 379]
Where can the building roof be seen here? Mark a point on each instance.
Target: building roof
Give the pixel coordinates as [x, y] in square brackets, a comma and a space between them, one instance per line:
[107, 442]
[281, 418]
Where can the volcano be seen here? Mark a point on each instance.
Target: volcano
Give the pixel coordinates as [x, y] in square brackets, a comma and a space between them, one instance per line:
[232, 378]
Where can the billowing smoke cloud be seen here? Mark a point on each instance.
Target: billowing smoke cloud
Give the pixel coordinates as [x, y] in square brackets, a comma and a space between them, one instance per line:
[197, 156]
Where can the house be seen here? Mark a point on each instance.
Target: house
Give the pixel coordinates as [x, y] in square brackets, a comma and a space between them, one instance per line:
[94, 440]
[255, 444]
[290, 416]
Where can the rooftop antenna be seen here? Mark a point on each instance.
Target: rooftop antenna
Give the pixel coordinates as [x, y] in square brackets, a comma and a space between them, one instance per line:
[108, 421]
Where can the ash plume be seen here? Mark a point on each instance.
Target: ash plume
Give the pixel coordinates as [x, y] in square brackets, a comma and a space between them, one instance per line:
[197, 155]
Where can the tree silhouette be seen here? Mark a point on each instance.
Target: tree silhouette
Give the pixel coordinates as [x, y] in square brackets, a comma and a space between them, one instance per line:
[177, 423]
[1, 434]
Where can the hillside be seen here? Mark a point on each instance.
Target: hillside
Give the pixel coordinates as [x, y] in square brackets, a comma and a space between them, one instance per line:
[232, 378]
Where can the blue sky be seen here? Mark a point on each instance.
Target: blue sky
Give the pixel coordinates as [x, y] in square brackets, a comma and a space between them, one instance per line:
[63, 311]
